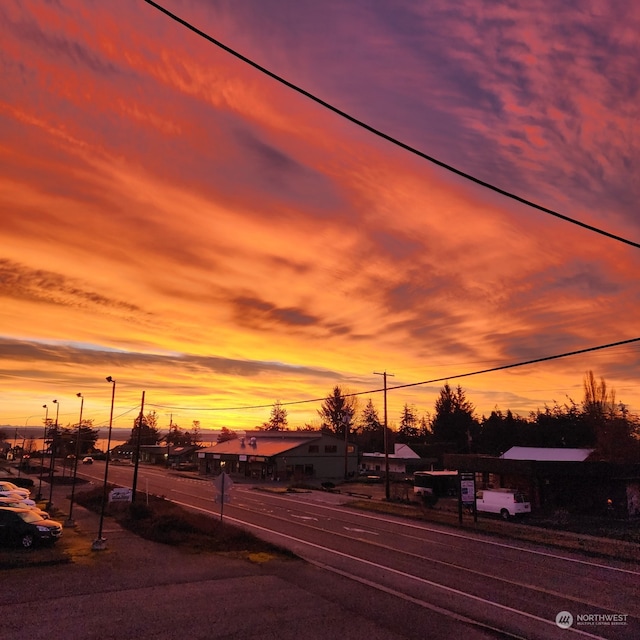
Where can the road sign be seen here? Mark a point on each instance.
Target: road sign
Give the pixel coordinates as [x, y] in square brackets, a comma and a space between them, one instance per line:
[223, 483]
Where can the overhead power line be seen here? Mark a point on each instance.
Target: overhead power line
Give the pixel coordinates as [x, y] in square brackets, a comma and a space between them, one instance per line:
[412, 384]
[389, 138]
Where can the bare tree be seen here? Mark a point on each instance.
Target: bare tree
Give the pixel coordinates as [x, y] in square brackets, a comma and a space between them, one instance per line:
[599, 402]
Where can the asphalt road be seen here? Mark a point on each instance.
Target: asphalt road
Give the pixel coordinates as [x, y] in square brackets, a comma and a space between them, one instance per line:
[440, 579]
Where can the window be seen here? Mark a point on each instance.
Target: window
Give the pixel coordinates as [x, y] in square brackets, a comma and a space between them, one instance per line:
[314, 448]
[331, 448]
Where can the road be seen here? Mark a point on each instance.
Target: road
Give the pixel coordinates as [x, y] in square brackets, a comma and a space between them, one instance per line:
[505, 589]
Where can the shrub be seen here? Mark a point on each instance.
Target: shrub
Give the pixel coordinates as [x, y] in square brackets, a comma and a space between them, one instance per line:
[163, 521]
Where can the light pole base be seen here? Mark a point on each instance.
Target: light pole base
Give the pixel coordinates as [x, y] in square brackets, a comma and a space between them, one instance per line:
[99, 544]
[69, 522]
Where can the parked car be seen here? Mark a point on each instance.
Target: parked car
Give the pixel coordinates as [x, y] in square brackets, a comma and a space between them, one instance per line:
[506, 502]
[25, 483]
[25, 528]
[7, 501]
[8, 488]
[87, 460]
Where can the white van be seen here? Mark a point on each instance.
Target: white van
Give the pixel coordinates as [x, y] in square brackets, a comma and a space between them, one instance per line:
[506, 502]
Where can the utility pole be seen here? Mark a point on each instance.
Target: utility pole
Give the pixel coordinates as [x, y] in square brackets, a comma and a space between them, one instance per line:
[387, 488]
[137, 454]
[345, 425]
[169, 440]
[53, 457]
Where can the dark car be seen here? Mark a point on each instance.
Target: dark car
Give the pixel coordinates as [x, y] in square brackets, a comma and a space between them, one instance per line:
[25, 528]
[25, 483]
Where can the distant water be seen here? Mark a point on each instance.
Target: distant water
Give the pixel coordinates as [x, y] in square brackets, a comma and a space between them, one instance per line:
[118, 436]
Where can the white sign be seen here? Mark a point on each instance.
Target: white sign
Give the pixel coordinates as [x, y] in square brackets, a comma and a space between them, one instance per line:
[120, 495]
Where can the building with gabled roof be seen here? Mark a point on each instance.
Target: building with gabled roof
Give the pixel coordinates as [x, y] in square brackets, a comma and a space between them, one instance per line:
[282, 455]
[402, 461]
[558, 477]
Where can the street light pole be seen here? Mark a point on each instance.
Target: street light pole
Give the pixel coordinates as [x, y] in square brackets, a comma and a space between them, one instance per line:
[99, 544]
[70, 522]
[53, 457]
[44, 442]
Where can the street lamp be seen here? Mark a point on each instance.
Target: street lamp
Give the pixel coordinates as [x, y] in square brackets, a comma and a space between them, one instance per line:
[44, 442]
[53, 456]
[100, 543]
[70, 522]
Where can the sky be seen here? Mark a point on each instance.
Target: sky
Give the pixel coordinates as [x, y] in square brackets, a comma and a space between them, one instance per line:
[177, 219]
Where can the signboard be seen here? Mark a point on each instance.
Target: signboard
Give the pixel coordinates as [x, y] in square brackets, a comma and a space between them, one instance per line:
[223, 484]
[468, 488]
[467, 498]
[120, 495]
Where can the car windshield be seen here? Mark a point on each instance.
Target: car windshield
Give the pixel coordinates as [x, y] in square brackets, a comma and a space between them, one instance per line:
[30, 516]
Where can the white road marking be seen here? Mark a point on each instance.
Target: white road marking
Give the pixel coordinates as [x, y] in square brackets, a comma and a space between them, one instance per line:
[371, 533]
[405, 575]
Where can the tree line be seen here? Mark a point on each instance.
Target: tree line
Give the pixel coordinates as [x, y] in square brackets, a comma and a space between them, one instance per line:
[598, 422]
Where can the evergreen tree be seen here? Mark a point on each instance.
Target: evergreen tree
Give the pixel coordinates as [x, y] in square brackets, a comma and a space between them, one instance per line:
[370, 429]
[278, 419]
[408, 430]
[337, 412]
[177, 437]
[147, 427]
[424, 428]
[226, 435]
[454, 422]
[500, 432]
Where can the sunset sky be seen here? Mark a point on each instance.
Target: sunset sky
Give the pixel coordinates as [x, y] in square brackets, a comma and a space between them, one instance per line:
[176, 219]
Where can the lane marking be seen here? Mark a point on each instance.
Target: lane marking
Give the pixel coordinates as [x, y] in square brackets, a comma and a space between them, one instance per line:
[472, 536]
[403, 574]
[451, 565]
[371, 533]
